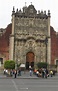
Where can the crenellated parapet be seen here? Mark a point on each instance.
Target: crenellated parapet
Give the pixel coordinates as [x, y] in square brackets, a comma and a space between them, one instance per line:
[30, 12]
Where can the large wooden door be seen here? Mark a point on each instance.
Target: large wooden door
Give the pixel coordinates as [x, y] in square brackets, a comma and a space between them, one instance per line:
[29, 60]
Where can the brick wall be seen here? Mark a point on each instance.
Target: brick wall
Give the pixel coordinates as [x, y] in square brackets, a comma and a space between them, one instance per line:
[54, 45]
[4, 42]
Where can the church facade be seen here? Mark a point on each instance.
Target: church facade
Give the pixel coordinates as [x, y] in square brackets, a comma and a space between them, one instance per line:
[30, 40]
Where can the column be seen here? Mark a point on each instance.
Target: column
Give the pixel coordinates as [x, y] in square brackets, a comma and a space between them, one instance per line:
[11, 46]
[49, 41]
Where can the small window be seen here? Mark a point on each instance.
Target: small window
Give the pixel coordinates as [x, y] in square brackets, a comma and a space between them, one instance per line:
[1, 60]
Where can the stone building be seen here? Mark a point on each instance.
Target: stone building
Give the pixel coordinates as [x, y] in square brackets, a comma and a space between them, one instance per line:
[30, 38]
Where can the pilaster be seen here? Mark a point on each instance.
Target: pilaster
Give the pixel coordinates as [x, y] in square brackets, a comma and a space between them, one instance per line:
[49, 41]
[11, 48]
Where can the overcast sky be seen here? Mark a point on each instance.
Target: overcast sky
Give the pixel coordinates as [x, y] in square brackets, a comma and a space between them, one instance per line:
[6, 7]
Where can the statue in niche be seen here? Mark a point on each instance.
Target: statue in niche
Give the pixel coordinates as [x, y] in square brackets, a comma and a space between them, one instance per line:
[30, 43]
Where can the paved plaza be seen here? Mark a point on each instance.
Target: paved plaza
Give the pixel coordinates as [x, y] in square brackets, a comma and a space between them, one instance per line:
[29, 84]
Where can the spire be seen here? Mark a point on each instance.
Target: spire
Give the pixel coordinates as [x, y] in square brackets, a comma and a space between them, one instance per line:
[25, 3]
[24, 8]
[49, 13]
[31, 3]
[13, 10]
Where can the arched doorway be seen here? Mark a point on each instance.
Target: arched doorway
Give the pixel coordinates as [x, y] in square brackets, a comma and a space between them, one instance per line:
[29, 60]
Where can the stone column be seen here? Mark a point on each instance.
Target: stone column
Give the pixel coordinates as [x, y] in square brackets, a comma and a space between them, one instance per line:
[11, 46]
[49, 41]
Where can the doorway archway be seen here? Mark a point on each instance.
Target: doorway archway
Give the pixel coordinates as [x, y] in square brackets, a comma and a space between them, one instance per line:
[30, 60]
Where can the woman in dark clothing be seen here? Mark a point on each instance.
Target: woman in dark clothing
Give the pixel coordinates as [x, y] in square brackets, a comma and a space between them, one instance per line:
[15, 73]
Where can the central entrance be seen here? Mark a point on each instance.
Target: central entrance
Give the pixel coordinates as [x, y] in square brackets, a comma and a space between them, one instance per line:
[29, 60]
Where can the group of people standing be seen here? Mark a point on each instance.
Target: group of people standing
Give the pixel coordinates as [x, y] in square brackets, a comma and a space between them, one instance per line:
[13, 72]
[43, 72]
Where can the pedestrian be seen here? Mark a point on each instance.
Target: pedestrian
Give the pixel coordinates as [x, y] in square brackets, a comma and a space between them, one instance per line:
[30, 72]
[11, 72]
[37, 73]
[43, 73]
[4, 71]
[51, 73]
[19, 72]
[15, 73]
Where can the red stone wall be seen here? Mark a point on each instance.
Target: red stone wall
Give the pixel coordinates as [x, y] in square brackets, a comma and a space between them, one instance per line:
[4, 42]
[54, 45]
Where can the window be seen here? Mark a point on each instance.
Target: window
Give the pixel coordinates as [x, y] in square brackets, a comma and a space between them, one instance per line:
[1, 60]
[56, 62]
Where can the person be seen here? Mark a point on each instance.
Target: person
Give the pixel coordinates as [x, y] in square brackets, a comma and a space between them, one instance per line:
[19, 72]
[15, 73]
[4, 71]
[30, 72]
[37, 73]
[43, 73]
[11, 72]
[51, 73]
[30, 67]
[47, 72]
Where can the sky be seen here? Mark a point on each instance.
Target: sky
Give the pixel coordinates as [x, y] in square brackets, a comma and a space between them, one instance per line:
[6, 7]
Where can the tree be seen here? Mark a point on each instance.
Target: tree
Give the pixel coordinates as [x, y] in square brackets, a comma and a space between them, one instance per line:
[9, 64]
[42, 65]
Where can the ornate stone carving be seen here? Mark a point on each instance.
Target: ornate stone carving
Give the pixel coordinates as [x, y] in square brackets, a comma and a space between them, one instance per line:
[30, 34]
